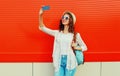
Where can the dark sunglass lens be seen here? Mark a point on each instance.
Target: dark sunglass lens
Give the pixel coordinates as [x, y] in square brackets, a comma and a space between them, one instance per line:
[66, 18]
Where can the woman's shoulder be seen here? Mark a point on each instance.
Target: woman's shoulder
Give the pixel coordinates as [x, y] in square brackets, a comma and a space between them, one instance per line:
[78, 35]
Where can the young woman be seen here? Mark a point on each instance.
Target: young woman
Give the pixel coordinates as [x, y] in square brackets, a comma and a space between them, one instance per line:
[64, 59]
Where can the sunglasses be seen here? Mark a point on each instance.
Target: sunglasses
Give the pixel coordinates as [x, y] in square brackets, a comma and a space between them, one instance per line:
[66, 18]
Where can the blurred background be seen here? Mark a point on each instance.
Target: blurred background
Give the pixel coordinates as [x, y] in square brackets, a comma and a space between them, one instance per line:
[24, 48]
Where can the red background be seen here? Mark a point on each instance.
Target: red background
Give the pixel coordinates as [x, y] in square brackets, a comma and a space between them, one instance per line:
[98, 21]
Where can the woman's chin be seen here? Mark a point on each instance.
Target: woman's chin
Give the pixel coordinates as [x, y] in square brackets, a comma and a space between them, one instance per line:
[64, 23]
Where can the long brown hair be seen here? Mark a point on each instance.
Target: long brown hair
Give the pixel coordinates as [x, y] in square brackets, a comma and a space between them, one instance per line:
[71, 24]
[71, 28]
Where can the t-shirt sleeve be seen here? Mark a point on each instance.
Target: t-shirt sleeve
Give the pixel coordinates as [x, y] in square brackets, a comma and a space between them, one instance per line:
[81, 42]
[48, 31]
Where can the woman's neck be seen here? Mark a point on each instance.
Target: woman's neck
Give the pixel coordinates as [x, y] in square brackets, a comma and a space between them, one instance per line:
[65, 29]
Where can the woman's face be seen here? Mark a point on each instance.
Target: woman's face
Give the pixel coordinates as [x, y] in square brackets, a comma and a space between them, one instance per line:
[65, 19]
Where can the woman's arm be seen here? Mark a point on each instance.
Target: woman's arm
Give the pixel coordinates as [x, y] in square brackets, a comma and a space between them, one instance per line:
[42, 27]
[82, 46]
[41, 24]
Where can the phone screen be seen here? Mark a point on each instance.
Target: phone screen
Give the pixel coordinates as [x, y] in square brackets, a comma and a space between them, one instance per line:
[46, 7]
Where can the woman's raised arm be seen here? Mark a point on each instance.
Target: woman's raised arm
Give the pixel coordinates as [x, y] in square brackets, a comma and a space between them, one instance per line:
[42, 27]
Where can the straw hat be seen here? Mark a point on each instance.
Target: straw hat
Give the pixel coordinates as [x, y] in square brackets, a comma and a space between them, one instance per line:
[73, 15]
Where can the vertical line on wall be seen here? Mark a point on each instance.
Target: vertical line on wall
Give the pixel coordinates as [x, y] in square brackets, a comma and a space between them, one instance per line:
[32, 69]
[100, 68]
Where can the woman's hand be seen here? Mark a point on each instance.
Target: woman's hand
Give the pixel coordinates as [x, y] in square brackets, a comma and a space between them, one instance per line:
[41, 11]
[73, 44]
[41, 24]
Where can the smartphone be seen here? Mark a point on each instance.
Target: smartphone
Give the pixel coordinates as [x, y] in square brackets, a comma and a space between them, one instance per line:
[46, 7]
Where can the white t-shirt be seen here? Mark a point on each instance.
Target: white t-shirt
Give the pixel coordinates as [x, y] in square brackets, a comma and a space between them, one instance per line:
[64, 41]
